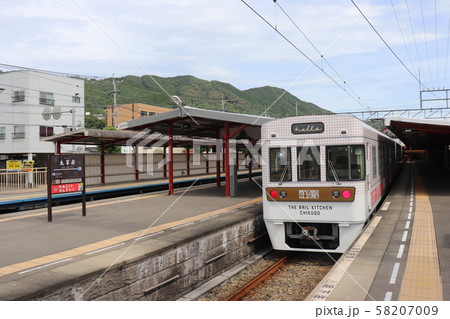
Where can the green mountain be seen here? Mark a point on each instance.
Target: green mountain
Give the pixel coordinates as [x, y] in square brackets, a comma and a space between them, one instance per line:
[195, 92]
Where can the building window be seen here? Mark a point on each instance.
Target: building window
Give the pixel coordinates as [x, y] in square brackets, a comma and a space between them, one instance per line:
[2, 133]
[143, 113]
[19, 132]
[76, 98]
[45, 131]
[19, 96]
[46, 98]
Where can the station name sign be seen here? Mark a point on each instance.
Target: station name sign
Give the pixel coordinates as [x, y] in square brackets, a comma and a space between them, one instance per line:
[307, 128]
[67, 166]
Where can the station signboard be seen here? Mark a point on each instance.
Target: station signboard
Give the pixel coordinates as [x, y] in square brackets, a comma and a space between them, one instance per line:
[67, 166]
[27, 166]
[13, 165]
[63, 167]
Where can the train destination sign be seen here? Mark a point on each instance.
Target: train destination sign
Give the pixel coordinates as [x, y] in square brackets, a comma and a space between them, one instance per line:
[67, 166]
[307, 128]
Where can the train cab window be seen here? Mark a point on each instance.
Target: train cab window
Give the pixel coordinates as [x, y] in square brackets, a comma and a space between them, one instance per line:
[345, 162]
[308, 161]
[280, 164]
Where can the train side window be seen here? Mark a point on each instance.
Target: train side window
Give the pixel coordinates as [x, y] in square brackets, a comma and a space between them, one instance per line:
[374, 162]
[357, 163]
[280, 162]
[347, 161]
[308, 161]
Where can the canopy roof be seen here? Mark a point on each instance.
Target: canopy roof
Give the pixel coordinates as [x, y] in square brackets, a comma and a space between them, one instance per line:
[420, 133]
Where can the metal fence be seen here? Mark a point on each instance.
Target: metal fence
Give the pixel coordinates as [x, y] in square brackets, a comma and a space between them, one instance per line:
[20, 180]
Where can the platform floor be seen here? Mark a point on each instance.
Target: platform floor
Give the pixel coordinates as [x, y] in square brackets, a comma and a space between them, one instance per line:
[19, 197]
[32, 248]
[403, 254]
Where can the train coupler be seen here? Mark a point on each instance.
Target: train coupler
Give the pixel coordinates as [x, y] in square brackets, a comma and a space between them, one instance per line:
[310, 233]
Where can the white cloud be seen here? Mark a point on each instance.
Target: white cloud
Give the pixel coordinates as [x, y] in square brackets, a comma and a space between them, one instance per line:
[224, 40]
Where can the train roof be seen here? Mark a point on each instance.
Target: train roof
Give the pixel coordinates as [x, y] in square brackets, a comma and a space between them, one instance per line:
[328, 126]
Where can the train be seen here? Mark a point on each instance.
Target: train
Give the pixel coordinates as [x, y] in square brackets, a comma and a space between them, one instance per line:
[323, 177]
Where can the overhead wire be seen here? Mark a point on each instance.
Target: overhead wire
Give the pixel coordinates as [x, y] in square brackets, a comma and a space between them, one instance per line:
[129, 55]
[15, 67]
[401, 32]
[387, 45]
[446, 55]
[426, 41]
[302, 53]
[436, 34]
[415, 40]
[36, 90]
[322, 55]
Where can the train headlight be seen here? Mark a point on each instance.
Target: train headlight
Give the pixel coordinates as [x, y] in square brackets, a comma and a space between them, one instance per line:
[335, 194]
[283, 194]
[274, 194]
[346, 194]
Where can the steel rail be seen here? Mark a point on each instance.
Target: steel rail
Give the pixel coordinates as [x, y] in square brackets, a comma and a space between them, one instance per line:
[239, 294]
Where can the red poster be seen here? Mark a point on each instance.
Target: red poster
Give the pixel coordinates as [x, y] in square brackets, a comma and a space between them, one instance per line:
[67, 188]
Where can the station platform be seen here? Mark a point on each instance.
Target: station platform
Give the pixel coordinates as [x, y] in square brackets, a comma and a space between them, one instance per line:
[404, 252]
[33, 197]
[38, 257]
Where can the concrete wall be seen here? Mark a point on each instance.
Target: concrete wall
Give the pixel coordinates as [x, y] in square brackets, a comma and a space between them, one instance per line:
[185, 265]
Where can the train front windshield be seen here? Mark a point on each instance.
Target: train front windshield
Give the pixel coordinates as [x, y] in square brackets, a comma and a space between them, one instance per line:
[280, 164]
[346, 161]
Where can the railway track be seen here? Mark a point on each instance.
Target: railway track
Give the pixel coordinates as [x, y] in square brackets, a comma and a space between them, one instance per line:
[278, 276]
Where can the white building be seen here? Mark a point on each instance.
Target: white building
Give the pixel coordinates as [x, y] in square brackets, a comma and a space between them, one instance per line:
[34, 105]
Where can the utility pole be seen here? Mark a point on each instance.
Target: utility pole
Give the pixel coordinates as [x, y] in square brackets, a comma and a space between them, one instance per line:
[114, 106]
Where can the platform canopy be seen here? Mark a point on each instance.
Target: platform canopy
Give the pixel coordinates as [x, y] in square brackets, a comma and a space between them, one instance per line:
[420, 133]
[178, 127]
[104, 137]
[194, 122]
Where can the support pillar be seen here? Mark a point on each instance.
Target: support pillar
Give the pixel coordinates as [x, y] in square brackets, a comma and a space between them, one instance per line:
[136, 162]
[250, 165]
[218, 159]
[165, 162]
[102, 164]
[188, 167]
[207, 160]
[227, 158]
[237, 158]
[170, 158]
[58, 148]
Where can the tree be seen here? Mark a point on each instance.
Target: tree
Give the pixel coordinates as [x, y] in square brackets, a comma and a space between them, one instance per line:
[92, 122]
[112, 149]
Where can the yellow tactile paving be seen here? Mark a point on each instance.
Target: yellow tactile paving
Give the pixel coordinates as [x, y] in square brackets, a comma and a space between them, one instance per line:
[114, 240]
[422, 279]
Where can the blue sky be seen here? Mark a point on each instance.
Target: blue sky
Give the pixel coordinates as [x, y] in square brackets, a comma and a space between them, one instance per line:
[225, 40]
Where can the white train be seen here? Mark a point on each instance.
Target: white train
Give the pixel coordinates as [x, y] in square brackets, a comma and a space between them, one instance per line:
[323, 177]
